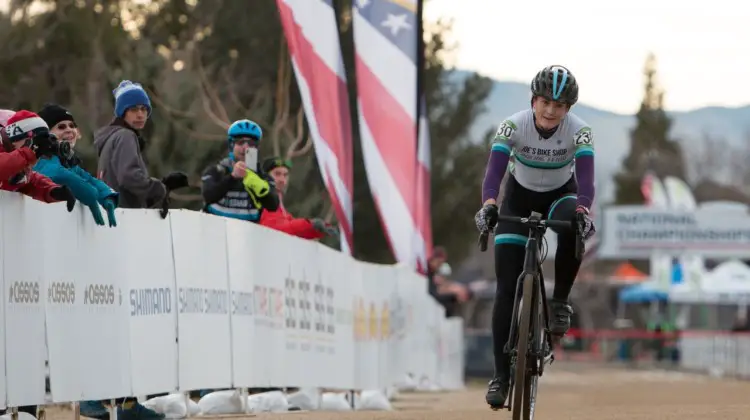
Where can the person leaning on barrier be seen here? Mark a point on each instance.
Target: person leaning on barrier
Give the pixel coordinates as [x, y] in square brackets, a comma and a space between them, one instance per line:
[120, 149]
[25, 138]
[63, 166]
[231, 189]
[281, 219]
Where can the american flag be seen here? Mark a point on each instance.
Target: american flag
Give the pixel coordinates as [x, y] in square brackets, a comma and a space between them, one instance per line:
[386, 38]
[313, 39]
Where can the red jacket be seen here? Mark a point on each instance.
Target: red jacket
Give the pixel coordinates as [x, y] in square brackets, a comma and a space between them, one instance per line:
[33, 184]
[283, 221]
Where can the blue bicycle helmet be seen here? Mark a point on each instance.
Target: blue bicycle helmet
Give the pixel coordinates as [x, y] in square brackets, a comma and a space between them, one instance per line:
[244, 128]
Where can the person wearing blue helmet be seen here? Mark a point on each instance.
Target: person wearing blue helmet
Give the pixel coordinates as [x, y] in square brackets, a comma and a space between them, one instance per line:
[230, 188]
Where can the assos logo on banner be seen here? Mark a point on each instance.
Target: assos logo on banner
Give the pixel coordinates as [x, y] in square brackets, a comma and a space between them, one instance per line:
[638, 232]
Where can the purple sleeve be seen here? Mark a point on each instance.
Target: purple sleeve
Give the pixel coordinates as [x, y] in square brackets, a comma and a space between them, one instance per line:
[585, 179]
[496, 167]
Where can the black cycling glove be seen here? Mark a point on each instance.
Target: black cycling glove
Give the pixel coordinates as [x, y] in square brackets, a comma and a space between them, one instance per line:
[486, 217]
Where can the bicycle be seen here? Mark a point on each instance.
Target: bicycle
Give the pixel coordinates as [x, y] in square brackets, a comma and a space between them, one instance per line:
[531, 354]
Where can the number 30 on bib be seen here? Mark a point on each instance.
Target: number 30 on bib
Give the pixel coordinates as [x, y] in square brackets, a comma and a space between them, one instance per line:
[583, 137]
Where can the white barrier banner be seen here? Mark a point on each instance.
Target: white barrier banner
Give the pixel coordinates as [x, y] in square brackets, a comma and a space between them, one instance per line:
[336, 269]
[397, 323]
[300, 343]
[151, 301]
[24, 299]
[639, 231]
[385, 285]
[87, 319]
[246, 343]
[271, 311]
[201, 302]
[200, 255]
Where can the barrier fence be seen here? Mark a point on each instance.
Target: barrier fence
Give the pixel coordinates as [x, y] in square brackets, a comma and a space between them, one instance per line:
[196, 301]
[714, 352]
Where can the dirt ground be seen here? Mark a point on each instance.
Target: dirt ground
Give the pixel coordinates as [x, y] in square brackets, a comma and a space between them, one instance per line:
[569, 392]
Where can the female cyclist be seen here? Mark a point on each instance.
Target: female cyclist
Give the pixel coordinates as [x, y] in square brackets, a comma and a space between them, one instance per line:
[553, 174]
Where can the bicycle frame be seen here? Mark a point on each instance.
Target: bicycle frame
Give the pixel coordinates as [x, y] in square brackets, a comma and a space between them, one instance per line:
[532, 265]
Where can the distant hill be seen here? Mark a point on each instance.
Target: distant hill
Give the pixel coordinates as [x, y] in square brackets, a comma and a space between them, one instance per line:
[612, 130]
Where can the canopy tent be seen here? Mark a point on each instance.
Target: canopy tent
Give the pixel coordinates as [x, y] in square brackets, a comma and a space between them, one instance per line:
[642, 293]
[627, 273]
[728, 283]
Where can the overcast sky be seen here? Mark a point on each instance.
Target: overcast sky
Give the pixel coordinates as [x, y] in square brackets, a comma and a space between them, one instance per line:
[702, 48]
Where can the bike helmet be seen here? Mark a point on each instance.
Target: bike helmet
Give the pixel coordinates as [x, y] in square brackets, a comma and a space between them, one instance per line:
[244, 128]
[556, 83]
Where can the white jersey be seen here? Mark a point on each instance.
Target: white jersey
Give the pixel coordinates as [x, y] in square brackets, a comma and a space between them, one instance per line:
[543, 164]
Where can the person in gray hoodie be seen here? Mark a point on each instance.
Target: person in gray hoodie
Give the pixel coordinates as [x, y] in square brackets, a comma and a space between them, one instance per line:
[120, 148]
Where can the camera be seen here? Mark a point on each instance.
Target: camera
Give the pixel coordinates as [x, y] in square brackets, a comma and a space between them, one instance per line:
[60, 148]
[57, 147]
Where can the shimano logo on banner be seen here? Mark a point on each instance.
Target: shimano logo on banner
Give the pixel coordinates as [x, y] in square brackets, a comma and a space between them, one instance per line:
[193, 300]
[99, 294]
[152, 301]
[24, 292]
[242, 303]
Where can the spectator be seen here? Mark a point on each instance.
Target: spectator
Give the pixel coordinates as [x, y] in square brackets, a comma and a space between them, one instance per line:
[449, 294]
[64, 168]
[25, 138]
[122, 167]
[230, 189]
[282, 220]
[120, 149]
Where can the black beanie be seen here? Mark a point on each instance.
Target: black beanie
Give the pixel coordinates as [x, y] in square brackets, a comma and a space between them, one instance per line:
[54, 114]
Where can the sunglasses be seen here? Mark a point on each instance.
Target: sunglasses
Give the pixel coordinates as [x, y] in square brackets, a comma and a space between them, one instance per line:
[64, 126]
[241, 141]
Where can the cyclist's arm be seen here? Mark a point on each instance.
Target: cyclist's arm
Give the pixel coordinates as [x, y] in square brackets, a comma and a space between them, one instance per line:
[502, 145]
[584, 159]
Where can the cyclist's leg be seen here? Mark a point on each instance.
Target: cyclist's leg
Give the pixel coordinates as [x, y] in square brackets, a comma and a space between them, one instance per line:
[566, 265]
[510, 241]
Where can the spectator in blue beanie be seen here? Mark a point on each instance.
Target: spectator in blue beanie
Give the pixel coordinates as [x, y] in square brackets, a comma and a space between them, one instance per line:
[65, 169]
[120, 147]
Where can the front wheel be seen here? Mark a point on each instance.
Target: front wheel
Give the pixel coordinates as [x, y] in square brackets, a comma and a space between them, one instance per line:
[523, 380]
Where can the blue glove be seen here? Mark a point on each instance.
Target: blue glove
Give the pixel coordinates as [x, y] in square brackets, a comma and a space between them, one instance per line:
[109, 205]
[98, 218]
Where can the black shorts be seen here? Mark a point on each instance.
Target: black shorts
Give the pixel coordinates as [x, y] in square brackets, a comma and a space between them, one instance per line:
[520, 202]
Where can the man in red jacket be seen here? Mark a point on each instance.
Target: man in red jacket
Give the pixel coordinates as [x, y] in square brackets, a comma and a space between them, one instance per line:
[282, 220]
[24, 139]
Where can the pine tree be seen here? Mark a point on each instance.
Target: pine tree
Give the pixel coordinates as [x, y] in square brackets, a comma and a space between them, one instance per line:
[651, 148]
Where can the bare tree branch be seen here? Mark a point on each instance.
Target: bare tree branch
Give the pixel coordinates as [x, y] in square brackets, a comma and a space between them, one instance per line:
[183, 114]
[206, 91]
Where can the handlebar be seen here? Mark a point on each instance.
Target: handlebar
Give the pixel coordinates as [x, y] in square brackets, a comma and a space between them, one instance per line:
[576, 225]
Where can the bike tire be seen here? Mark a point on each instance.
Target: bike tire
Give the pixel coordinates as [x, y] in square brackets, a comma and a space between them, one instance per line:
[531, 381]
[522, 347]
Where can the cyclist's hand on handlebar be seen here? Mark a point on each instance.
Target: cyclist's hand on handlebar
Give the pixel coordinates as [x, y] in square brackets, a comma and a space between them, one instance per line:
[585, 223]
[486, 217]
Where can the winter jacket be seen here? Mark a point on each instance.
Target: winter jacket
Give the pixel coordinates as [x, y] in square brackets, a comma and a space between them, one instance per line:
[86, 189]
[122, 167]
[16, 175]
[283, 221]
[224, 195]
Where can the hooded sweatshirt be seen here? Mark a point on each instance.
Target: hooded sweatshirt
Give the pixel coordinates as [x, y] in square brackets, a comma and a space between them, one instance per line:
[122, 167]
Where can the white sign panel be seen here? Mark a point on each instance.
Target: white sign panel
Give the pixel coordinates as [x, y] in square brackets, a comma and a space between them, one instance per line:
[151, 301]
[24, 222]
[87, 321]
[200, 255]
[272, 312]
[638, 231]
[245, 346]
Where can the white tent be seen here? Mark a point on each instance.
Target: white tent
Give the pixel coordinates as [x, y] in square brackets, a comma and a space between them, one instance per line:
[728, 283]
